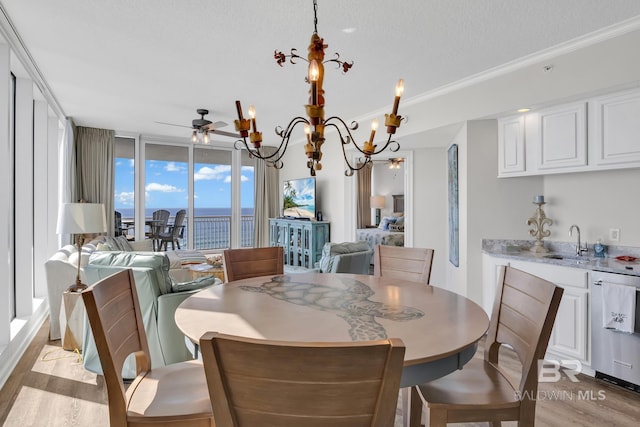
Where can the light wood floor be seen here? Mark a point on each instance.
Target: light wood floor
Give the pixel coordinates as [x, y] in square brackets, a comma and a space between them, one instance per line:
[50, 388]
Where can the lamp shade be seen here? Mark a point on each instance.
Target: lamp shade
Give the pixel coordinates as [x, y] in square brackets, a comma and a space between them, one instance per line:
[81, 218]
[377, 202]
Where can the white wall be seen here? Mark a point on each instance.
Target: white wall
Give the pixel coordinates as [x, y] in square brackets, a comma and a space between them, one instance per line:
[430, 208]
[488, 207]
[596, 202]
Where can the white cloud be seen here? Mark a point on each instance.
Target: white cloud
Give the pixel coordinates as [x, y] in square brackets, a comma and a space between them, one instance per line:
[131, 163]
[163, 188]
[243, 178]
[206, 173]
[249, 169]
[125, 198]
[227, 179]
[172, 167]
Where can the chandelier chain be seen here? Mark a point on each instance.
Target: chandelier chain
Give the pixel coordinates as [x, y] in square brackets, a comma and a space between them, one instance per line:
[315, 16]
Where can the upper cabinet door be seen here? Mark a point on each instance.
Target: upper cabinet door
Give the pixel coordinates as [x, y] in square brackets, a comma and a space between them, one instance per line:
[615, 129]
[562, 137]
[511, 146]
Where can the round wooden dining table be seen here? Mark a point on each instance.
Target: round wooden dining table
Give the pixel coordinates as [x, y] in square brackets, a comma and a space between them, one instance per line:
[440, 329]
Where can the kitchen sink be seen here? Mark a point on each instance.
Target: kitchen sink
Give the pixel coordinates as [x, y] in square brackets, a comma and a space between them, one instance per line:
[577, 258]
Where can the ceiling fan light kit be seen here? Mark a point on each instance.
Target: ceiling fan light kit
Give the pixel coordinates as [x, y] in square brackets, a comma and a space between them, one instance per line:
[315, 124]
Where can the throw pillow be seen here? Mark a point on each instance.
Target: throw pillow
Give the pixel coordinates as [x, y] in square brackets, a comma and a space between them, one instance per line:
[199, 283]
[103, 247]
[386, 220]
[124, 243]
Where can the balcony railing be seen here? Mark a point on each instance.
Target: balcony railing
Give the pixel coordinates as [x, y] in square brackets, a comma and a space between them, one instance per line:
[214, 232]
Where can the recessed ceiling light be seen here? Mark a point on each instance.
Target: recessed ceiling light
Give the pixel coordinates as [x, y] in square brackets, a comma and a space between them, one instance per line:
[349, 30]
[524, 110]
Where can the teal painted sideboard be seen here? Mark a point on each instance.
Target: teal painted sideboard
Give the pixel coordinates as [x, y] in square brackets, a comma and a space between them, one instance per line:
[302, 240]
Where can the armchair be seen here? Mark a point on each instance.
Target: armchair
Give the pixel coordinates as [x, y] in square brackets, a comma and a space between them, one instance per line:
[159, 296]
[347, 257]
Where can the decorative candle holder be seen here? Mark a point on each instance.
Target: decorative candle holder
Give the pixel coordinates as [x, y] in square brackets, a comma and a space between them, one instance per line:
[538, 221]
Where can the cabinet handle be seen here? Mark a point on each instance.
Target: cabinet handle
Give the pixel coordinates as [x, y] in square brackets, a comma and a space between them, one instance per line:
[597, 282]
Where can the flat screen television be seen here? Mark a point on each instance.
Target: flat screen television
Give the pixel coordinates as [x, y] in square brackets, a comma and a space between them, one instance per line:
[299, 198]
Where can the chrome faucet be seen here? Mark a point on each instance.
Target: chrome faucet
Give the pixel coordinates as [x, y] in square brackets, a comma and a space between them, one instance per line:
[579, 248]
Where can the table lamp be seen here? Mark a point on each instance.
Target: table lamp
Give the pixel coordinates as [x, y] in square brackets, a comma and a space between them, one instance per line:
[377, 203]
[81, 219]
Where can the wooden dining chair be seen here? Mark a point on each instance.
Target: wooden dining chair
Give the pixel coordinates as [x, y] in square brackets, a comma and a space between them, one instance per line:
[252, 262]
[413, 264]
[171, 396]
[523, 315]
[266, 383]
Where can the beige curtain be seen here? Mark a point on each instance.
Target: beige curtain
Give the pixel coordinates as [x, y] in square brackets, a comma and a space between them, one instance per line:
[364, 194]
[67, 177]
[95, 149]
[266, 199]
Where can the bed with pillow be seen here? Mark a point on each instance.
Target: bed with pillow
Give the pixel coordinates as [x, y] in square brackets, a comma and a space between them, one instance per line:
[390, 232]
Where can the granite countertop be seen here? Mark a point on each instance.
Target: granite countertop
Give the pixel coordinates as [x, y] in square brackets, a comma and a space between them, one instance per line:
[564, 253]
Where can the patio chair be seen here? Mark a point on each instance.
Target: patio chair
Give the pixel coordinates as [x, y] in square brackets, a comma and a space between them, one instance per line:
[173, 395]
[158, 226]
[412, 264]
[175, 232]
[252, 262]
[523, 315]
[258, 382]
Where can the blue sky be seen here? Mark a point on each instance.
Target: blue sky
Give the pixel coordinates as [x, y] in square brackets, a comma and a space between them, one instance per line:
[167, 185]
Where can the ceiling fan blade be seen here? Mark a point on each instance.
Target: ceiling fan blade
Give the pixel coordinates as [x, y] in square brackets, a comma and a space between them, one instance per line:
[216, 125]
[173, 124]
[223, 133]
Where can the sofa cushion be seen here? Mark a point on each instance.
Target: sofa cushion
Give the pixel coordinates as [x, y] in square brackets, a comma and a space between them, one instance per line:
[199, 283]
[157, 261]
[329, 250]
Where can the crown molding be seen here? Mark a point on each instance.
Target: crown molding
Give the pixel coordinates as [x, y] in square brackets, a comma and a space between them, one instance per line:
[15, 42]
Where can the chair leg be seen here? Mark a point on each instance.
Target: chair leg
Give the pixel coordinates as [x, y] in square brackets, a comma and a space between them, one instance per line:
[415, 413]
[437, 417]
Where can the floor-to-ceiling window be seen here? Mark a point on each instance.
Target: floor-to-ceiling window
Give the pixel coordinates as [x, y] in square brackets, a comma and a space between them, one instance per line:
[214, 185]
[11, 203]
[124, 185]
[166, 184]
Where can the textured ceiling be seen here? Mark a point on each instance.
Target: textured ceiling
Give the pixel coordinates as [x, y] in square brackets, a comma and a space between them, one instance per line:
[123, 64]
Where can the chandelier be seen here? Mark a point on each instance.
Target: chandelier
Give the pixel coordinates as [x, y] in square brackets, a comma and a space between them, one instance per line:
[315, 123]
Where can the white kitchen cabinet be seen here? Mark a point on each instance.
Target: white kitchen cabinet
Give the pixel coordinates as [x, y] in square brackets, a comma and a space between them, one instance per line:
[570, 334]
[560, 137]
[615, 129]
[511, 145]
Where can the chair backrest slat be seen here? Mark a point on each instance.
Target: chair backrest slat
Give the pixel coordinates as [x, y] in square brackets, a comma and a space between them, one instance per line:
[252, 262]
[413, 264]
[522, 317]
[114, 314]
[282, 384]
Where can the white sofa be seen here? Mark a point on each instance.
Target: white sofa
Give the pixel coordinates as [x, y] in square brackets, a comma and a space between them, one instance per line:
[61, 271]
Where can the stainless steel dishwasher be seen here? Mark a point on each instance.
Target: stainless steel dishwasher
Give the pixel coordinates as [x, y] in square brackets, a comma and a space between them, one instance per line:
[615, 356]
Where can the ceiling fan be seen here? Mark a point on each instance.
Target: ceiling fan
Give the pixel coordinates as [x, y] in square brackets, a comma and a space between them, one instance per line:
[203, 127]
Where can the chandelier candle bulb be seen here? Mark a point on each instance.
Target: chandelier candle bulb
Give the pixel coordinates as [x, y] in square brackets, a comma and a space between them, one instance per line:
[374, 127]
[252, 114]
[314, 72]
[396, 101]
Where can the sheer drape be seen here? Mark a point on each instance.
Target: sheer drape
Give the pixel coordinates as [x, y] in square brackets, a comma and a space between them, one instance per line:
[363, 214]
[267, 196]
[95, 150]
[67, 189]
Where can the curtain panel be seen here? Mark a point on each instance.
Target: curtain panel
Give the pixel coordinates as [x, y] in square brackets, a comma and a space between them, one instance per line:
[363, 213]
[95, 150]
[266, 199]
